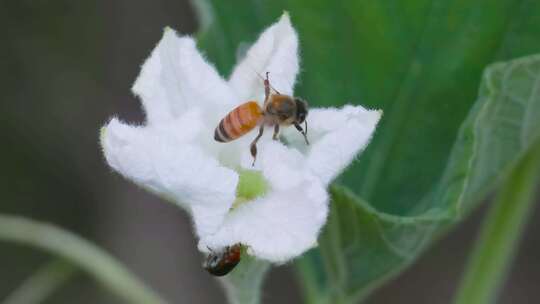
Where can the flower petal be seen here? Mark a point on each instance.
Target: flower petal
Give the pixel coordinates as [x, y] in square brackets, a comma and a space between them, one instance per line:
[276, 51]
[337, 136]
[278, 227]
[283, 167]
[176, 78]
[165, 160]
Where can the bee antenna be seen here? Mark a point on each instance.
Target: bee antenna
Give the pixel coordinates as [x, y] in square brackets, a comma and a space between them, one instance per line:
[258, 74]
[305, 123]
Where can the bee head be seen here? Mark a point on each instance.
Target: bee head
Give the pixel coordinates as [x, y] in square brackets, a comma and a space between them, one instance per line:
[301, 110]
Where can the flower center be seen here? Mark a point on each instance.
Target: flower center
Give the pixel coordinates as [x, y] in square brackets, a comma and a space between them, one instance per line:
[251, 185]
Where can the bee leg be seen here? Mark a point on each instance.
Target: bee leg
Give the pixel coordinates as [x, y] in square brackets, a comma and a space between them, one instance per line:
[266, 90]
[266, 87]
[276, 132]
[299, 128]
[253, 147]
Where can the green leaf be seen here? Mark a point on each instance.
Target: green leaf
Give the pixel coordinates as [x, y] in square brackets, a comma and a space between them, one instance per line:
[500, 129]
[437, 152]
[359, 247]
[362, 247]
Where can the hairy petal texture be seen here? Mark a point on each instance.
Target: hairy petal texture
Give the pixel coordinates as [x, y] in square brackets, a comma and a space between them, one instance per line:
[286, 222]
[277, 227]
[276, 51]
[337, 136]
[176, 78]
[167, 161]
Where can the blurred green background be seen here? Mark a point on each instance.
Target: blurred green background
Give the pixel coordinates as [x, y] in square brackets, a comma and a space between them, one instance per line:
[66, 67]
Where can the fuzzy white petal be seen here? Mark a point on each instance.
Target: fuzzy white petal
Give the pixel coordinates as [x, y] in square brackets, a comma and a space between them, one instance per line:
[284, 168]
[176, 78]
[166, 160]
[276, 51]
[337, 136]
[175, 154]
[286, 222]
[278, 227]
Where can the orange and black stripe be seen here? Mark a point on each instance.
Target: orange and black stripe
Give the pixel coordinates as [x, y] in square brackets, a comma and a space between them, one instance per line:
[238, 122]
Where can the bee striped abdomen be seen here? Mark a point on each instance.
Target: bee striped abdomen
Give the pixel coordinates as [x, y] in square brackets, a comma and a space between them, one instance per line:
[238, 122]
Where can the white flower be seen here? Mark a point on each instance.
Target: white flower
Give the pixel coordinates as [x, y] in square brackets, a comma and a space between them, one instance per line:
[175, 154]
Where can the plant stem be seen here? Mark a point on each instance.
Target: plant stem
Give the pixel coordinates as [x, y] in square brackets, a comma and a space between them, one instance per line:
[98, 263]
[42, 283]
[501, 232]
[243, 284]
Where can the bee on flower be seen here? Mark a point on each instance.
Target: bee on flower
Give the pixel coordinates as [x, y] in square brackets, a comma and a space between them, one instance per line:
[278, 110]
[178, 153]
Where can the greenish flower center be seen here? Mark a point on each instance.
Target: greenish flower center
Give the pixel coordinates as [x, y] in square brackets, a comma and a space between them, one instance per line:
[251, 185]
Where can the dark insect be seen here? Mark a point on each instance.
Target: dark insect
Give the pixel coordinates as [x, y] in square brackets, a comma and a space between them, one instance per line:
[278, 110]
[222, 262]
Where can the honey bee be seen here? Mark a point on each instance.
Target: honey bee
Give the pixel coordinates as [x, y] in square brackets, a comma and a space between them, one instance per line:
[278, 110]
[222, 262]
